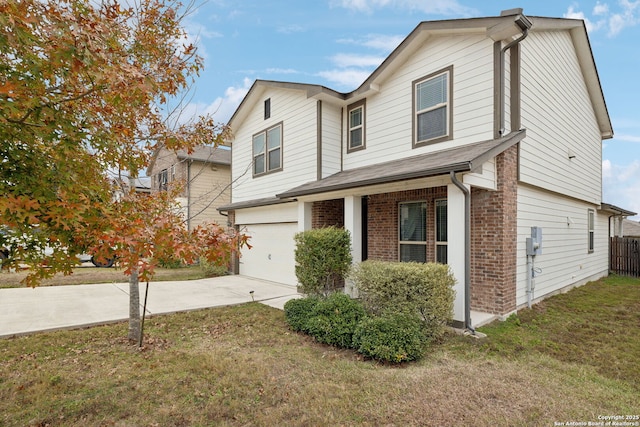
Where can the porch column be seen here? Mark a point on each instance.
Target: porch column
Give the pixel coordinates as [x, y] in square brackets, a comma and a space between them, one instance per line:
[352, 222]
[456, 246]
[304, 216]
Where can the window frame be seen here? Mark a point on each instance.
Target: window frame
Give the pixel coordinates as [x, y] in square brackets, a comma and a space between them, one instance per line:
[266, 151]
[591, 227]
[267, 108]
[424, 242]
[163, 180]
[448, 71]
[440, 243]
[362, 104]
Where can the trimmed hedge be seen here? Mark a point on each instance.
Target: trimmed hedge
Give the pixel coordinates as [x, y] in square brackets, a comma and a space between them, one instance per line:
[408, 287]
[334, 320]
[323, 258]
[298, 311]
[396, 338]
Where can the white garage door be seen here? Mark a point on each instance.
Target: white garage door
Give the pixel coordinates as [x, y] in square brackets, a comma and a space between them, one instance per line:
[271, 256]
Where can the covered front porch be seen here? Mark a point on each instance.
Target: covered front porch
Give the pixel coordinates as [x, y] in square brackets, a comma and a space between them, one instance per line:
[420, 209]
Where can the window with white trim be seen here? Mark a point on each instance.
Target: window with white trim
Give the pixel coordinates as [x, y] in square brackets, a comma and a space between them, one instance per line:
[356, 135]
[163, 180]
[267, 150]
[591, 228]
[432, 108]
[441, 231]
[413, 231]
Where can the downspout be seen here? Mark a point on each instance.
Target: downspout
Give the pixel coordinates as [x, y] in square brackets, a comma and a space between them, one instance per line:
[524, 24]
[467, 252]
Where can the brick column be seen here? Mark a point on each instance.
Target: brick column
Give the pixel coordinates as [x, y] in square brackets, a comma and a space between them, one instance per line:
[494, 239]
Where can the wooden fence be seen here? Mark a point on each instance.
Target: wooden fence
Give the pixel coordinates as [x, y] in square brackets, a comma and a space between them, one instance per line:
[625, 256]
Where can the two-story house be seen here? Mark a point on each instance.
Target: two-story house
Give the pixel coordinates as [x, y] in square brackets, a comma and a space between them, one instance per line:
[473, 138]
[204, 177]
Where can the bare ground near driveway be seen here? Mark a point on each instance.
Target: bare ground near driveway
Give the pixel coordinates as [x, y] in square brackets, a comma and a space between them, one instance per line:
[573, 358]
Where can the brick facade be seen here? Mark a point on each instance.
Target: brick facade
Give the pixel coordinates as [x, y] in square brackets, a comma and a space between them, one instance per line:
[382, 225]
[493, 232]
[327, 213]
[494, 239]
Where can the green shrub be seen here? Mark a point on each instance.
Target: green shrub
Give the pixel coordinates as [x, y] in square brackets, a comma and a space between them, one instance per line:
[408, 287]
[323, 258]
[334, 319]
[298, 311]
[210, 269]
[170, 263]
[396, 338]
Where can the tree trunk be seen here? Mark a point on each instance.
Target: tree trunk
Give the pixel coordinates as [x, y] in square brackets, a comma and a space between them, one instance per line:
[134, 306]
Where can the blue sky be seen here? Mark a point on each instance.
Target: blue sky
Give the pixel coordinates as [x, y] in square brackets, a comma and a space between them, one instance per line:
[338, 43]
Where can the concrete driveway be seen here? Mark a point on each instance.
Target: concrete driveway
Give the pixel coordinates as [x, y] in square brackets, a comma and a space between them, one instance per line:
[27, 310]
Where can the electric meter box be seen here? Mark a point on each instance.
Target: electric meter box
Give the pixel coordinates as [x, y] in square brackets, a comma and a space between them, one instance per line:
[534, 243]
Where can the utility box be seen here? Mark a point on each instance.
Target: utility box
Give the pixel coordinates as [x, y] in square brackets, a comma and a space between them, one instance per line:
[534, 243]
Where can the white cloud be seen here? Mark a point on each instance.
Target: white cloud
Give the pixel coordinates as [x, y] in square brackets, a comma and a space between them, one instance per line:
[222, 108]
[600, 9]
[345, 60]
[621, 184]
[347, 78]
[628, 138]
[574, 14]
[291, 29]
[614, 21]
[282, 71]
[438, 7]
[380, 42]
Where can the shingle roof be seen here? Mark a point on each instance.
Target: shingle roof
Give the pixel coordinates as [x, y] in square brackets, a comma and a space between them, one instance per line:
[217, 155]
[466, 158]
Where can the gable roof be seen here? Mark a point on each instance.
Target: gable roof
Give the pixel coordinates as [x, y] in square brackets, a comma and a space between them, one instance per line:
[497, 28]
[208, 154]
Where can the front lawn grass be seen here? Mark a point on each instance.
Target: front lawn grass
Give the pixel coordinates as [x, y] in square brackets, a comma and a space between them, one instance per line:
[238, 366]
[92, 275]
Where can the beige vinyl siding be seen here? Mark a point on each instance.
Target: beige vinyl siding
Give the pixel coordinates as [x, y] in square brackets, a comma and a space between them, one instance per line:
[556, 124]
[331, 141]
[208, 189]
[389, 112]
[299, 160]
[486, 178]
[565, 258]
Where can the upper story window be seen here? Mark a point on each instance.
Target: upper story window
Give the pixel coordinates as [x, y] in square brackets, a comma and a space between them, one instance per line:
[163, 180]
[356, 135]
[267, 108]
[432, 108]
[267, 150]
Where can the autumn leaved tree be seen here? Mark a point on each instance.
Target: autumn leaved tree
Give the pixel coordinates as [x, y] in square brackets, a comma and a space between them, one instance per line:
[82, 88]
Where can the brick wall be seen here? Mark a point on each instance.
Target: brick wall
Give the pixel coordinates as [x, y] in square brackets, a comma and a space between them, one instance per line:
[494, 240]
[327, 213]
[383, 221]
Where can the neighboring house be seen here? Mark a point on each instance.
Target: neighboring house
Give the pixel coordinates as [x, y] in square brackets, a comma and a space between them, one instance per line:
[469, 134]
[630, 228]
[142, 185]
[204, 176]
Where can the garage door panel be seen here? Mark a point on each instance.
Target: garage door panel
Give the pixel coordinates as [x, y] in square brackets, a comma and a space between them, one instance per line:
[271, 256]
